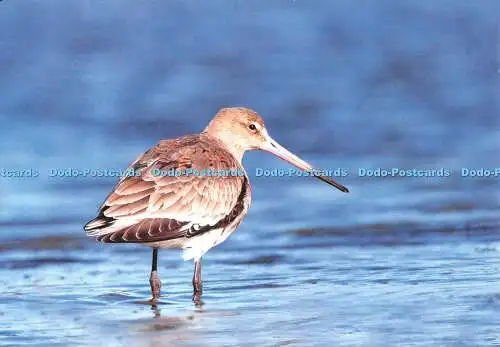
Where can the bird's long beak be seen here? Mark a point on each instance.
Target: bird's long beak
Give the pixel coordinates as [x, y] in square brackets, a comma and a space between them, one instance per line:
[275, 148]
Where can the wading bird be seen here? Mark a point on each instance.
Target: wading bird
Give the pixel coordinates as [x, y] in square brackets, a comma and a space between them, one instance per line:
[191, 212]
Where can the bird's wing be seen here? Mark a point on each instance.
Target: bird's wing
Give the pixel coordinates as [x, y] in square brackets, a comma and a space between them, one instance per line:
[154, 205]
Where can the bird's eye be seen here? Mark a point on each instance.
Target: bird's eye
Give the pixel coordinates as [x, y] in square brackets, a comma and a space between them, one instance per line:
[252, 127]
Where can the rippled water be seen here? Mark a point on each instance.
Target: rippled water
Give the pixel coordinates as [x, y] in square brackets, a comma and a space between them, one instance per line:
[397, 262]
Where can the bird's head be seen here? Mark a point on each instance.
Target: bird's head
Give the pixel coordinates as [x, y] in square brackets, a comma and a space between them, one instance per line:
[242, 129]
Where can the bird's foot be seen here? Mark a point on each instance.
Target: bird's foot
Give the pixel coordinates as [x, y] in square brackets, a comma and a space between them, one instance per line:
[197, 290]
[154, 281]
[197, 298]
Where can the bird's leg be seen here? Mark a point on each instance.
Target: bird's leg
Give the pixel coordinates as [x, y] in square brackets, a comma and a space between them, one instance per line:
[154, 279]
[197, 286]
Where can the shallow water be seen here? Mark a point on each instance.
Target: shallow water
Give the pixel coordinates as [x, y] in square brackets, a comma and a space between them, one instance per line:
[397, 262]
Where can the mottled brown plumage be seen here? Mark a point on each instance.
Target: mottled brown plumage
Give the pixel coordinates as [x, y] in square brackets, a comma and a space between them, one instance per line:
[191, 211]
[155, 206]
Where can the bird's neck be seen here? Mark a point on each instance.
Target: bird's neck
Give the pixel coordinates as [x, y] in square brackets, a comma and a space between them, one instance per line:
[237, 152]
[229, 145]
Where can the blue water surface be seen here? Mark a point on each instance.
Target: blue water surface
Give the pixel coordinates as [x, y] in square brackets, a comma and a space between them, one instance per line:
[399, 261]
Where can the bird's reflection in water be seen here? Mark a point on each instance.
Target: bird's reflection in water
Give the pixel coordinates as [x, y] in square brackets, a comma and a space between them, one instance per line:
[173, 322]
[163, 329]
[162, 322]
[156, 311]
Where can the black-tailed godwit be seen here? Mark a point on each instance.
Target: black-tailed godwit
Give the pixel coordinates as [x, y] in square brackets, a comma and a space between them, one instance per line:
[194, 212]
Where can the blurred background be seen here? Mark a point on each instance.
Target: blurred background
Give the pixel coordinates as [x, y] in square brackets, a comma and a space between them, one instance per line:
[344, 84]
